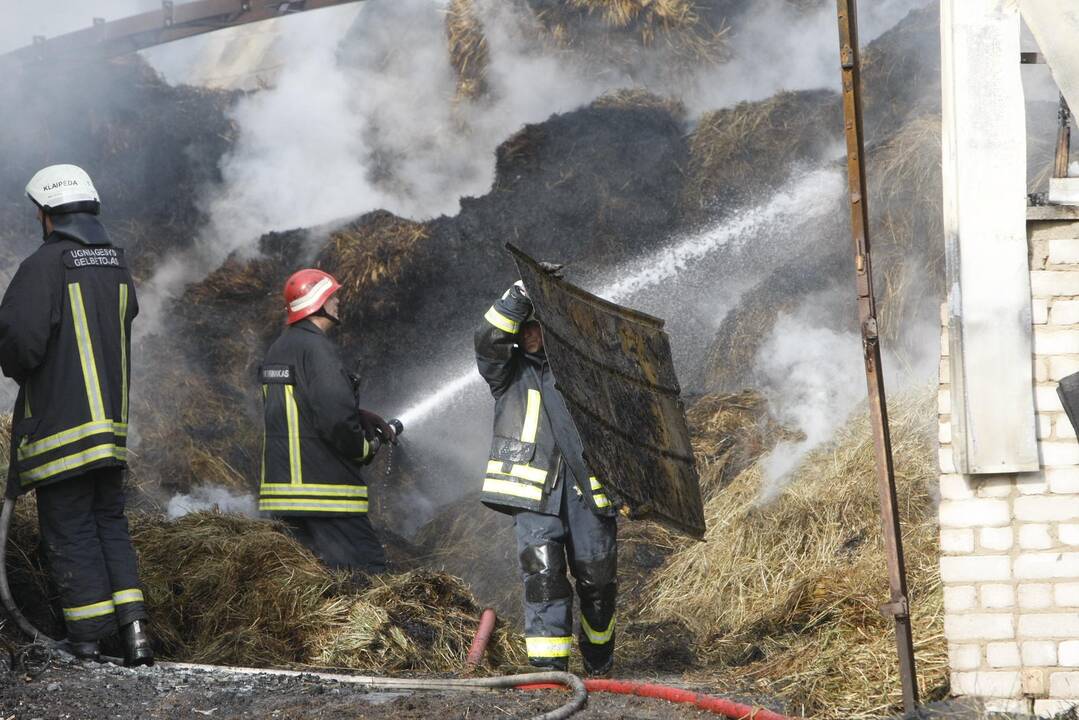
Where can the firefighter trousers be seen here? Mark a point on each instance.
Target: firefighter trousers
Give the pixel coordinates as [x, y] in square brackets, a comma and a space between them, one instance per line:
[587, 543]
[342, 543]
[88, 549]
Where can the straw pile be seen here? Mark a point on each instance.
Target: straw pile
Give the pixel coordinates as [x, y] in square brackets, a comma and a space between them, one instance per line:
[729, 433]
[371, 258]
[905, 197]
[225, 589]
[741, 152]
[477, 544]
[613, 32]
[784, 596]
[469, 53]
[421, 621]
[638, 99]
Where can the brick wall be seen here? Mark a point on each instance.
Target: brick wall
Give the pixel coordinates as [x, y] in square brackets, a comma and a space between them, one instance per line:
[1010, 543]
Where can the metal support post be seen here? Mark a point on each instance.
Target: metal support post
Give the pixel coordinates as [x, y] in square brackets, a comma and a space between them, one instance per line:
[1064, 136]
[898, 608]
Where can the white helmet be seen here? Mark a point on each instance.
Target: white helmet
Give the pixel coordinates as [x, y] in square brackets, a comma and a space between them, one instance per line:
[60, 189]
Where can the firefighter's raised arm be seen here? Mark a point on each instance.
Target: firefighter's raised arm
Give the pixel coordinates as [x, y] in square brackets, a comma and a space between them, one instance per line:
[497, 335]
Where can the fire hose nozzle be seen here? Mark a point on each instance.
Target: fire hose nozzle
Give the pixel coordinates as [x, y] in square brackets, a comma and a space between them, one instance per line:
[397, 425]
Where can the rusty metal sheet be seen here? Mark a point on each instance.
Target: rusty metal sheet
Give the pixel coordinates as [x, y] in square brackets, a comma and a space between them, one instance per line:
[613, 366]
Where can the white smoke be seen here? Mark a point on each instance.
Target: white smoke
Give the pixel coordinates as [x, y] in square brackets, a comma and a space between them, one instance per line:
[205, 498]
[813, 375]
[371, 123]
[777, 48]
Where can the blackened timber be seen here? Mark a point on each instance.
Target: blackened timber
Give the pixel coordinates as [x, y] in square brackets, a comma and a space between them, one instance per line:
[614, 368]
[898, 608]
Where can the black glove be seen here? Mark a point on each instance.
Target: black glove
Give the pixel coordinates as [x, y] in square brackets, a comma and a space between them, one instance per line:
[374, 427]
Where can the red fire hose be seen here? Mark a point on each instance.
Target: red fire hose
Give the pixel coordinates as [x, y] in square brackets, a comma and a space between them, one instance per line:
[718, 705]
[711, 703]
[483, 636]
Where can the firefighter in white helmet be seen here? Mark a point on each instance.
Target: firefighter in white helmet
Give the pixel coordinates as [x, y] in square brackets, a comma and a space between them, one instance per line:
[65, 338]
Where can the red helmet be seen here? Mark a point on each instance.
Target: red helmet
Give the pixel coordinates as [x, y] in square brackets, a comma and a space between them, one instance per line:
[306, 291]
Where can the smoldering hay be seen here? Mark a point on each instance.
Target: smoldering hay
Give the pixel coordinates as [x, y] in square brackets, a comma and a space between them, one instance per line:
[777, 600]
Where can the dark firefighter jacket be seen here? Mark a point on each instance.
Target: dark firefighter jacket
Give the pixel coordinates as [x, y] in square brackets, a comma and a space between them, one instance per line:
[535, 439]
[313, 445]
[65, 337]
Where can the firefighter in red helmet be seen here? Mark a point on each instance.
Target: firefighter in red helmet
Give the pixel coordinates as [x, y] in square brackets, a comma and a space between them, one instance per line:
[316, 435]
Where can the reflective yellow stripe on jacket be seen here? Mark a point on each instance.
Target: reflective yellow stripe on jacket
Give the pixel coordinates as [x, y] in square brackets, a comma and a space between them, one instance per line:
[123, 352]
[295, 504]
[532, 413]
[598, 497]
[124, 597]
[86, 353]
[514, 489]
[72, 462]
[57, 441]
[504, 478]
[292, 415]
[281, 489]
[500, 321]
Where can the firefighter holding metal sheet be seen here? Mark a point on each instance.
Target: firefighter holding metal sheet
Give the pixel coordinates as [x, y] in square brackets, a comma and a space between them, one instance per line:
[316, 436]
[65, 338]
[537, 473]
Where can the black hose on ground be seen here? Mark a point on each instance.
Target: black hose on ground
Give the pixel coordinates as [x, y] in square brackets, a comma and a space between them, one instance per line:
[13, 611]
[507, 682]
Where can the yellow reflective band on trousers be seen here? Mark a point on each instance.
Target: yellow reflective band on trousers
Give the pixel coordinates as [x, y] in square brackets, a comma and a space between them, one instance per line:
[72, 462]
[548, 647]
[123, 352]
[502, 322]
[347, 491]
[131, 595]
[516, 489]
[312, 505]
[57, 441]
[292, 414]
[86, 353]
[532, 413]
[594, 637]
[88, 612]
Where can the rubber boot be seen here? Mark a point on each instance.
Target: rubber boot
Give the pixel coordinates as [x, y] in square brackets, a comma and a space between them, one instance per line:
[597, 664]
[550, 664]
[83, 650]
[137, 650]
